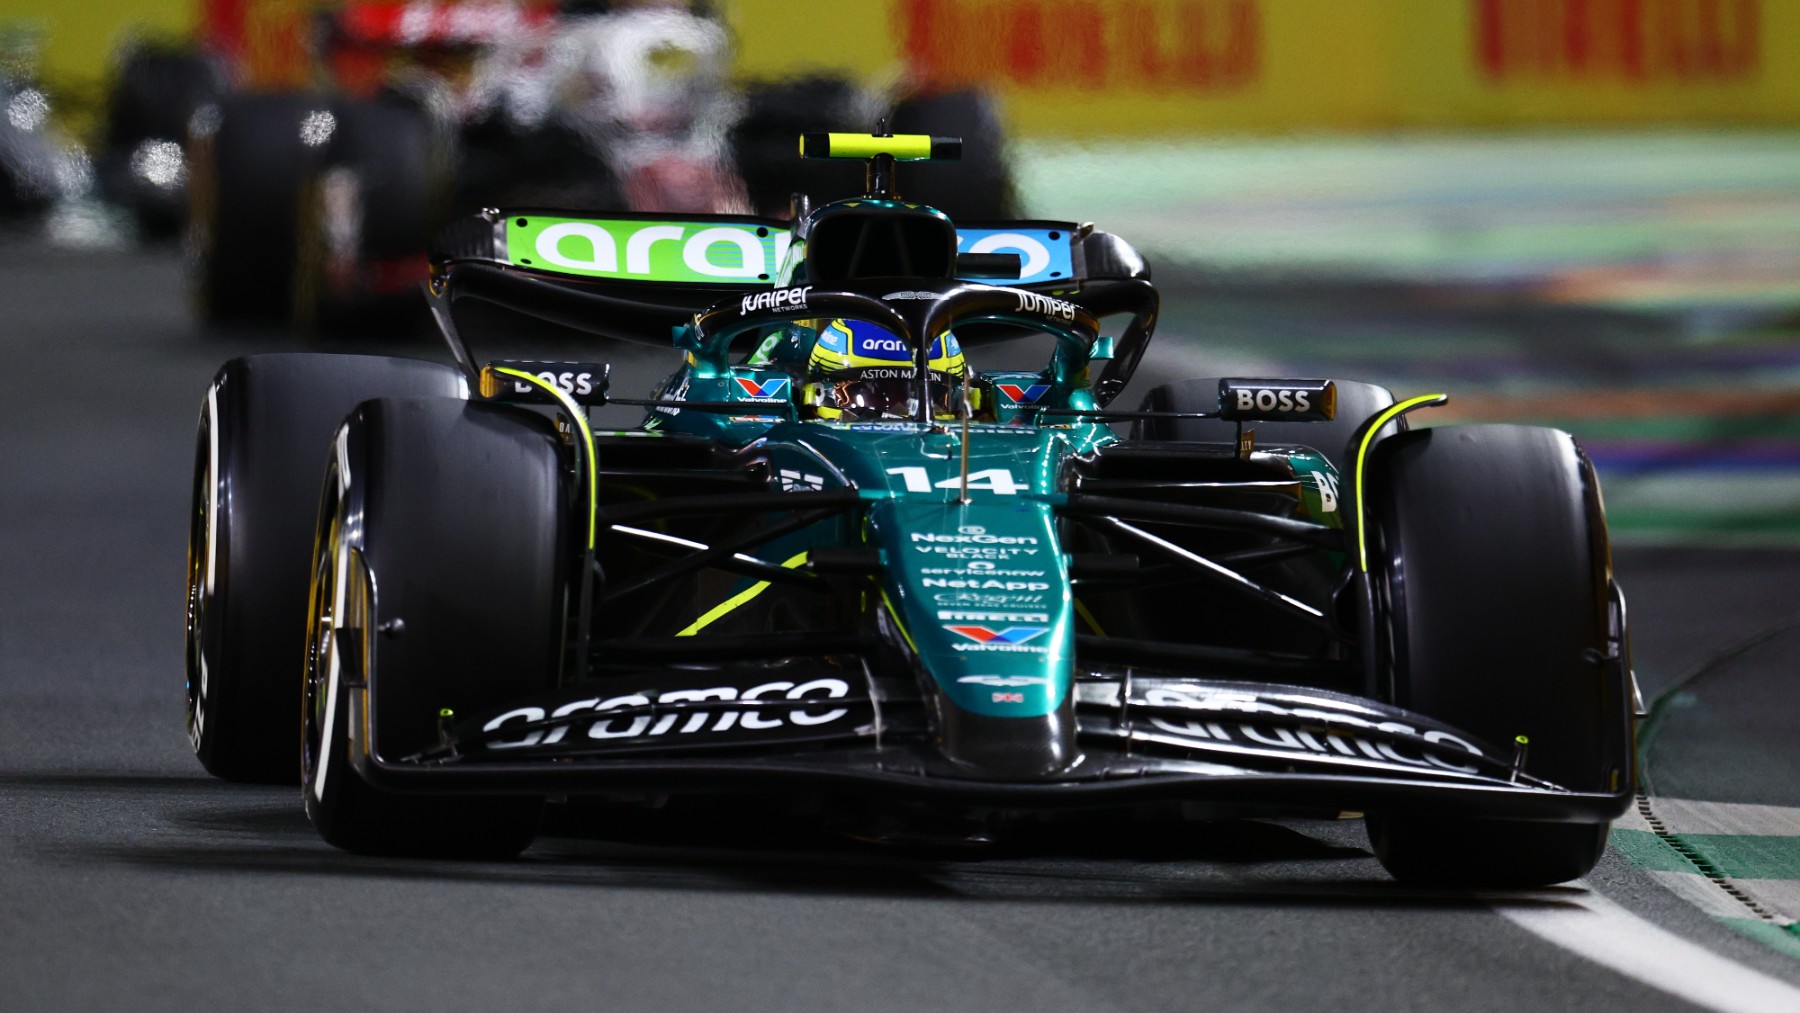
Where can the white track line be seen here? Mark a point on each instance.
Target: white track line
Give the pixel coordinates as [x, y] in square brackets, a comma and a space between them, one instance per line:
[1689, 816]
[1599, 930]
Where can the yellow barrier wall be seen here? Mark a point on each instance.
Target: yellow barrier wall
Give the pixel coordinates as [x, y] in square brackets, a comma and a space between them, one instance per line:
[79, 36]
[1160, 66]
[1154, 66]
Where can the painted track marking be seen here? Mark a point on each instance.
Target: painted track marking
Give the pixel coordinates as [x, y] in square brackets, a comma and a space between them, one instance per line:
[1599, 930]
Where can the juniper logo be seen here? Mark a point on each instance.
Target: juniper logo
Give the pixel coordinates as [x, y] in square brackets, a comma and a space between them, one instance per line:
[672, 251]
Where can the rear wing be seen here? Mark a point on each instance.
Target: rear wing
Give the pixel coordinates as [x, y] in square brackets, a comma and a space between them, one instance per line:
[634, 277]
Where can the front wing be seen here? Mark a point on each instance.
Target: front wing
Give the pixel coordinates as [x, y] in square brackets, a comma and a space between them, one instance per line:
[1242, 746]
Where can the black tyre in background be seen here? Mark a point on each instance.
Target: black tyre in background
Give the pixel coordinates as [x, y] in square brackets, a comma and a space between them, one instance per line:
[366, 210]
[978, 187]
[245, 169]
[264, 439]
[445, 595]
[150, 102]
[765, 141]
[1490, 559]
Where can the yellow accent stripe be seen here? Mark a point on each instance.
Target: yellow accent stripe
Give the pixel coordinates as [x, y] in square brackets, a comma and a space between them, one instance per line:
[898, 623]
[1389, 414]
[1088, 617]
[579, 417]
[718, 611]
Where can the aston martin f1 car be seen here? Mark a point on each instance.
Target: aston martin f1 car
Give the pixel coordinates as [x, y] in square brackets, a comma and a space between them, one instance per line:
[839, 564]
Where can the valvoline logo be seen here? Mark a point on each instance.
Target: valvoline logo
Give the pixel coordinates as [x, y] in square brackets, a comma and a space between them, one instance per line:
[1010, 635]
[1023, 395]
[771, 388]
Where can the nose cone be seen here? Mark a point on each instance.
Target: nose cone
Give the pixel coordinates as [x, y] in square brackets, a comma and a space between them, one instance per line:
[982, 592]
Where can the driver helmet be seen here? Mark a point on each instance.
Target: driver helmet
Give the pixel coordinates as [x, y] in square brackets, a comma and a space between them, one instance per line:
[861, 371]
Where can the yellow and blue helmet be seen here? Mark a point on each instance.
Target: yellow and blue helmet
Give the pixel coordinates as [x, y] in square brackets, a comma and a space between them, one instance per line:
[862, 371]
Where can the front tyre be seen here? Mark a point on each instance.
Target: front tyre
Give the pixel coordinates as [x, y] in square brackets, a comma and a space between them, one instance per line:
[264, 436]
[1496, 854]
[1489, 557]
[346, 811]
[444, 526]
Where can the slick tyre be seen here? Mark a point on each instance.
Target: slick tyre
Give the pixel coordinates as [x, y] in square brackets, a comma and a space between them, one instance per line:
[1356, 402]
[152, 99]
[247, 164]
[1491, 854]
[264, 436]
[1489, 558]
[442, 526]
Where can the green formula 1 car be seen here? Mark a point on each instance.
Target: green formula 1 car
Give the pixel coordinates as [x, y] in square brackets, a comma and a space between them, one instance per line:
[842, 564]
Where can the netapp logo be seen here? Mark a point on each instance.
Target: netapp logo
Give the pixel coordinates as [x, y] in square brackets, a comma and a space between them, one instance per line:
[987, 585]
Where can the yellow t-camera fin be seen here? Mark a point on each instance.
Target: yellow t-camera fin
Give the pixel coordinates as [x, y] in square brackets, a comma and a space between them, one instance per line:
[900, 147]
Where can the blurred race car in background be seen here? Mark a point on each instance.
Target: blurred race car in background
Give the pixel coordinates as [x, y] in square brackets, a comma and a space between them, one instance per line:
[315, 205]
[37, 167]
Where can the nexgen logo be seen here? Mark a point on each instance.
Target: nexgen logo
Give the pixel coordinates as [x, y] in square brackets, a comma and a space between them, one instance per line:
[1010, 635]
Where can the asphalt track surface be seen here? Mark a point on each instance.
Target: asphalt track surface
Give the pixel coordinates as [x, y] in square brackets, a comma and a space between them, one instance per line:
[129, 879]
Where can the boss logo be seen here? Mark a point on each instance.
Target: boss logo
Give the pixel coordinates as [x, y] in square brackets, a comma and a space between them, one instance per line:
[1266, 400]
[1298, 400]
[571, 383]
[544, 382]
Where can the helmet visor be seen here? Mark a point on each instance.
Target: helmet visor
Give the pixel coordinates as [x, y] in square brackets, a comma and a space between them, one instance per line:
[888, 393]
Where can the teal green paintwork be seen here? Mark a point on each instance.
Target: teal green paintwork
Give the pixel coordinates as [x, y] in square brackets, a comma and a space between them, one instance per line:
[980, 589]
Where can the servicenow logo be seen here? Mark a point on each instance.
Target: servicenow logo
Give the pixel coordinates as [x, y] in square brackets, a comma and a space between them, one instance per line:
[647, 251]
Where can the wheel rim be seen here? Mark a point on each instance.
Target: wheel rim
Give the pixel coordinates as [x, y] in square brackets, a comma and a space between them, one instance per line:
[336, 648]
[323, 658]
[200, 563]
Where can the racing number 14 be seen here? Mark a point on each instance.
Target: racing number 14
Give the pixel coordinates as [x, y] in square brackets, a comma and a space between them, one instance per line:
[994, 480]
